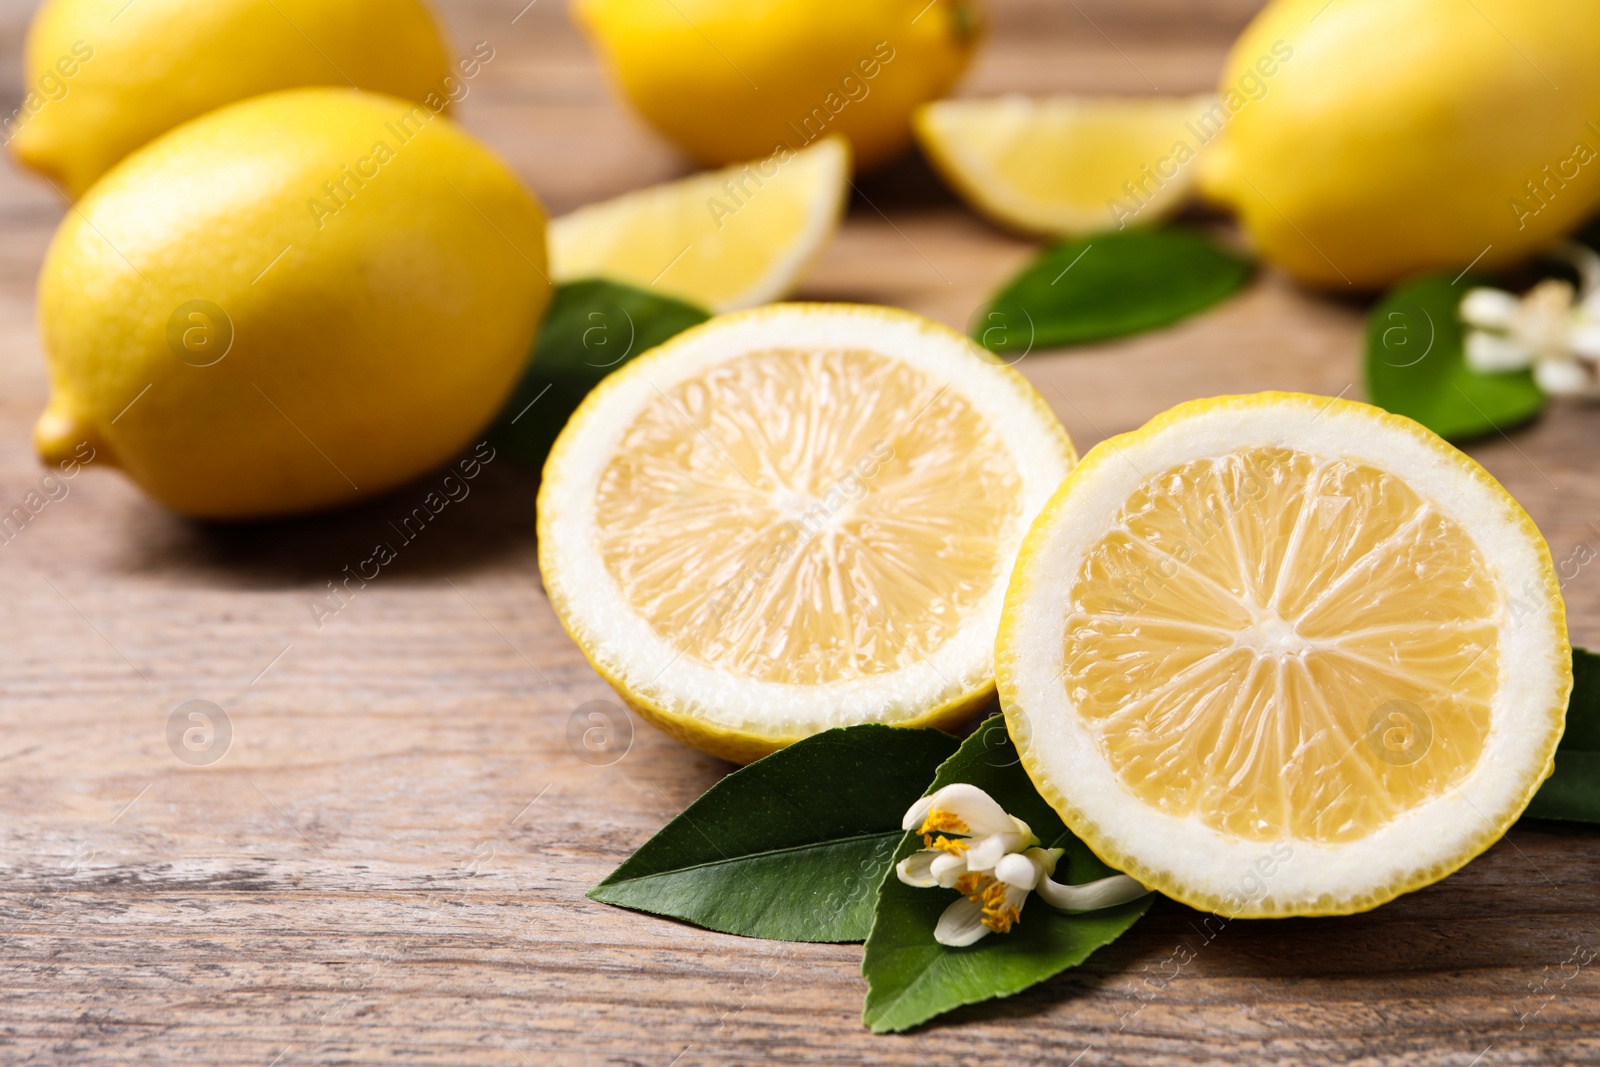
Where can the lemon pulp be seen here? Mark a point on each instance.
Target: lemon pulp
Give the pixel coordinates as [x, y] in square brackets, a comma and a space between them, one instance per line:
[796, 502]
[1241, 650]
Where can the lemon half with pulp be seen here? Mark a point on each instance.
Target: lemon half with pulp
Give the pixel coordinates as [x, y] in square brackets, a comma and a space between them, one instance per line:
[795, 518]
[1284, 655]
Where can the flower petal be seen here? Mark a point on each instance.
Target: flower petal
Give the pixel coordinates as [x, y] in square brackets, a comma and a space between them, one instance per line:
[960, 925]
[1493, 353]
[988, 851]
[917, 813]
[917, 869]
[973, 806]
[947, 868]
[1489, 308]
[1563, 377]
[1020, 870]
[1091, 896]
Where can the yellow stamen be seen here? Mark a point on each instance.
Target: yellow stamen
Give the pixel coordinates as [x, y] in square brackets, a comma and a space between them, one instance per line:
[971, 885]
[997, 914]
[943, 820]
[954, 846]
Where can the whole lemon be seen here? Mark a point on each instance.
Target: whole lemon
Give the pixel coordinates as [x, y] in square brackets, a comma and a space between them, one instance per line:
[1366, 140]
[106, 76]
[292, 302]
[731, 80]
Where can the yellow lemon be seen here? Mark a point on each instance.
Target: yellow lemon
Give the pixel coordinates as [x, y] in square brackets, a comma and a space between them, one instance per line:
[292, 302]
[1366, 140]
[730, 80]
[106, 76]
[1284, 655]
[795, 518]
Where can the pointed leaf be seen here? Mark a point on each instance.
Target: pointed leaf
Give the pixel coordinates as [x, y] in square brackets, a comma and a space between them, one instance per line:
[1415, 366]
[791, 847]
[593, 327]
[911, 977]
[1109, 285]
[1572, 793]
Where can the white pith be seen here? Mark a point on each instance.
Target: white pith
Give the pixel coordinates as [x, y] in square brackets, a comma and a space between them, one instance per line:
[649, 668]
[1184, 857]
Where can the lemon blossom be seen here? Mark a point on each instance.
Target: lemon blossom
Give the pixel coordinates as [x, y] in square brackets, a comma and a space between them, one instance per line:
[994, 862]
[1554, 327]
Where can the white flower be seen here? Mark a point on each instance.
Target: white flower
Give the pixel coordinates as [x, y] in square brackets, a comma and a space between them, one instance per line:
[1553, 328]
[994, 863]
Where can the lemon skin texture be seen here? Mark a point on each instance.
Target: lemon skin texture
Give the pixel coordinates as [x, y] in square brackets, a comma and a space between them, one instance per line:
[1400, 136]
[244, 337]
[731, 80]
[104, 77]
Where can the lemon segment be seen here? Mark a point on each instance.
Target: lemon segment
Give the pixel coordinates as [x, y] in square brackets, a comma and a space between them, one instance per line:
[725, 240]
[1067, 165]
[796, 518]
[1288, 627]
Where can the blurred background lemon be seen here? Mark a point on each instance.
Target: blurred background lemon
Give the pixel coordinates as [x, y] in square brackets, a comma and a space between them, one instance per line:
[293, 302]
[1400, 136]
[117, 74]
[731, 80]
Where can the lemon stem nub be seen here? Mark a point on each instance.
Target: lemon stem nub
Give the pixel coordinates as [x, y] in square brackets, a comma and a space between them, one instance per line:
[994, 867]
[62, 438]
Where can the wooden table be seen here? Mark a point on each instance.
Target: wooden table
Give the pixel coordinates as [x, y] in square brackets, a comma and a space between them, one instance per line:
[388, 864]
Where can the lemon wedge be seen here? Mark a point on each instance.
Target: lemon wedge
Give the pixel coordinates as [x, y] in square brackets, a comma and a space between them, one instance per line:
[725, 239]
[1284, 655]
[796, 518]
[1066, 165]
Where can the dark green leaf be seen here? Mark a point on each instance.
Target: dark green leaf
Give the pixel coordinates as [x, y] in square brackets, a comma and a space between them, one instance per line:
[1109, 285]
[911, 977]
[1415, 365]
[791, 847]
[593, 327]
[1573, 791]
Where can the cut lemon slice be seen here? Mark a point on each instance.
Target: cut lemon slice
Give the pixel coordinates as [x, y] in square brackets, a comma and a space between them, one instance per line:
[1284, 655]
[1067, 165]
[796, 518]
[726, 239]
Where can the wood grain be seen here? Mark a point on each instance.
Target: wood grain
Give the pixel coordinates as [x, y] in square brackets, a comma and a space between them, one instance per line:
[388, 865]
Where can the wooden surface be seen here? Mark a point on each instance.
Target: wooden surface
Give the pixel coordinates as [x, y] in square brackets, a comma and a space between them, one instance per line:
[388, 864]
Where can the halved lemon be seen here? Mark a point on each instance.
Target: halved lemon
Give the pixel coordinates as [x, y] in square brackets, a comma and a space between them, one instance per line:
[1284, 655]
[796, 518]
[1066, 165]
[725, 239]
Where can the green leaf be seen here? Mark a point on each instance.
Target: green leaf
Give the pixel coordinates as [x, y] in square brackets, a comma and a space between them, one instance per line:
[791, 847]
[593, 327]
[1415, 366]
[1572, 793]
[1109, 285]
[911, 977]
